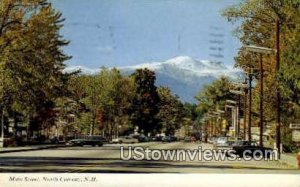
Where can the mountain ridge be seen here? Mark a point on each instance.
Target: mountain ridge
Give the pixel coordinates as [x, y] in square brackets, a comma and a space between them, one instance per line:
[184, 75]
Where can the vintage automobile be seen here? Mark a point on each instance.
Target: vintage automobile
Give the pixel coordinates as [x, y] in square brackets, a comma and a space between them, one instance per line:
[169, 139]
[251, 148]
[125, 139]
[85, 141]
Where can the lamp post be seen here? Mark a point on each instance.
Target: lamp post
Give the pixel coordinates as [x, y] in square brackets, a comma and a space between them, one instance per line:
[238, 93]
[245, 111]
[233, 113]
[260, 50]
[243, 86]
[278, 98]
[249, 90]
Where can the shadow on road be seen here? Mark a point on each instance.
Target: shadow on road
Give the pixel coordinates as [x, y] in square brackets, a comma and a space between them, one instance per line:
[62, 164]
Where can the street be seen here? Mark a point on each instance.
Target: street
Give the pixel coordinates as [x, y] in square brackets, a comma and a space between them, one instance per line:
[107, 159]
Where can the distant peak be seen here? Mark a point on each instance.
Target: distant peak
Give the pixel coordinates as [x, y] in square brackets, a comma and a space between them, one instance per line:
[179, 63]
[180, 59]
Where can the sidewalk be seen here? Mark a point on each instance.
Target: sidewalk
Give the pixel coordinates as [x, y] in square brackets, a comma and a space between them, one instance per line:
[29, 148]
[289, 159]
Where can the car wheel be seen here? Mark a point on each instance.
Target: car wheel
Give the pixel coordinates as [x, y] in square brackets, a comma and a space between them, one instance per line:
[120, 142]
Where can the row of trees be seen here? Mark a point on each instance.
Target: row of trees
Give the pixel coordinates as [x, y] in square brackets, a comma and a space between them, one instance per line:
[37, 93]
[213, 98]
[31, 61]
[257, 20]
[115, 103]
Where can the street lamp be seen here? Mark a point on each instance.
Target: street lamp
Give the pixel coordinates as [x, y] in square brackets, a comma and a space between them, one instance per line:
[243, 86]
[236, 92]
[249, 91]
[239, 85]
[239, 93]
[221, 111]
[235, 114]
[260, 50]
[277, 68]
[231, 101]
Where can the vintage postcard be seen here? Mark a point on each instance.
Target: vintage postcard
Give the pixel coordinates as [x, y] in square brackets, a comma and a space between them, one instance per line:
[149, 93]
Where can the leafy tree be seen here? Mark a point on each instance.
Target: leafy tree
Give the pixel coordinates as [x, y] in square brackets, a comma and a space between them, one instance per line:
[108, 97]
[290, 68]
[145, 101]
[214, 96]
[31, 56]
[258, 18]
[171, 111]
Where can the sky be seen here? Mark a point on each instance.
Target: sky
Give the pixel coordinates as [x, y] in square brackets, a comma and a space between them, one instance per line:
[116, 33]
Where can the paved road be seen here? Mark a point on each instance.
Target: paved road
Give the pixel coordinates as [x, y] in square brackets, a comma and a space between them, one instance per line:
[106, 159]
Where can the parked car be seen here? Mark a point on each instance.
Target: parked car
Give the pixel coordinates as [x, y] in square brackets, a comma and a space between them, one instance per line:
[143, 138]
[241, 146]
[221, 143]
[94, 137]
[83, 142]
[211, 140]
[158, 138]
[169, 139]
[103, 139]
[174, 138]
[125, 139]
[153, 138]
[187, 139]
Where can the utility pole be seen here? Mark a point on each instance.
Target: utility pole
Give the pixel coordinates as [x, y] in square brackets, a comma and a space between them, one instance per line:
[245, 112]
[261, 50]
[211, 127]
[250, 105]
[261, 100]
[237, 116]
[278, 98]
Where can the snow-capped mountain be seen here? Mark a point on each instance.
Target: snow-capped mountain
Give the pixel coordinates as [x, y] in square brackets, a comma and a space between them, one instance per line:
[184, 75]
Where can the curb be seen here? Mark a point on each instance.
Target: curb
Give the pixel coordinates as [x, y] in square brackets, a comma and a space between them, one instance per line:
[32, 148]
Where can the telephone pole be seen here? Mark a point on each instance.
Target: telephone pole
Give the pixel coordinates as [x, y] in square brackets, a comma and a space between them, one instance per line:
[278, 98]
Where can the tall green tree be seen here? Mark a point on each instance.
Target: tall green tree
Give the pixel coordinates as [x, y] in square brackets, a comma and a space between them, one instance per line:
[258, 18]
[145, 103]
[108, 97]
[171, 111]
[214, 96]
[32, 60]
